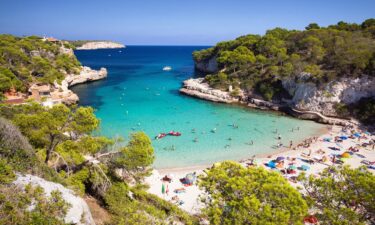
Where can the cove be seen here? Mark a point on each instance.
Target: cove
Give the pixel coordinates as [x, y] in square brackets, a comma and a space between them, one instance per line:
[139, 96]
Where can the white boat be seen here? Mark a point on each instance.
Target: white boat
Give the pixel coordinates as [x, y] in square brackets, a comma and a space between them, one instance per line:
[167, 68]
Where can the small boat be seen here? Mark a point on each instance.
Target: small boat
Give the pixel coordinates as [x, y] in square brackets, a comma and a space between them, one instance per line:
[173, 133]
[160, 136]
[167, 68]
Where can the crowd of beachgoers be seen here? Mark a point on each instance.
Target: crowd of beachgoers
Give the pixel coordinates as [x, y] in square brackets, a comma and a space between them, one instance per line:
[348, 145]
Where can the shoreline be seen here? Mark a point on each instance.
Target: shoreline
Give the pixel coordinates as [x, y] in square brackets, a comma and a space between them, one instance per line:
[285, 149]
[64, 94]
[298, 154]
[196, 87]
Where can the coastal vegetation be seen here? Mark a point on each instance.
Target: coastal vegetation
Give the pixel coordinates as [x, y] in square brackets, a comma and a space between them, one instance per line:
[240, 195]
[33, 59]
[253, 195]
[341, 196]
[56, 144]
[257, 64]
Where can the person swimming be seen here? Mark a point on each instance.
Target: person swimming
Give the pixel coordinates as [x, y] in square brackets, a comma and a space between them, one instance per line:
[250, 143]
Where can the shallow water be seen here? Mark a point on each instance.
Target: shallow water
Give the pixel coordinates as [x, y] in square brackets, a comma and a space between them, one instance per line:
[139, 95]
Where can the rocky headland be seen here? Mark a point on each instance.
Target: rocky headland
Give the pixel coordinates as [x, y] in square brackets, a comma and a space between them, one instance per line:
[198, 88]
[308, 101]
[63, 94]
[100, 45]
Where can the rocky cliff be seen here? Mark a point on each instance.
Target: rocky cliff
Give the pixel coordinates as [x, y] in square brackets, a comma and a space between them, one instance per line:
[317, 101]
[309, 96]
[100, 45]
[198, 88]
[207, 66]
[78, 213]
[62, 92]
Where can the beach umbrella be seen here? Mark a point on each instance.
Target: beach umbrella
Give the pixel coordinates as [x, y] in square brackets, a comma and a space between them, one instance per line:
[345, 155]
[357, 134]
[280, 158]
[271, 164]
[305, 167]
[190, 178]
[292, 167]
[343, 137]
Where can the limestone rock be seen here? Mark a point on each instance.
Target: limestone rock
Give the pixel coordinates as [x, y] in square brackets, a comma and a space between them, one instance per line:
[309, 96]
[64, 95]
[100, 45]
[87, 74]
[207, 66]
[197, 88]
[79, 212]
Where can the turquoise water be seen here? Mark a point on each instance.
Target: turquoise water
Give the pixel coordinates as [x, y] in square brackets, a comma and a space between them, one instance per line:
[139, 95]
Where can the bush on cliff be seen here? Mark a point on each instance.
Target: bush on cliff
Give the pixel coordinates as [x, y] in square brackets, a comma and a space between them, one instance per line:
[32, 59]
[84, 163]
[327, 53]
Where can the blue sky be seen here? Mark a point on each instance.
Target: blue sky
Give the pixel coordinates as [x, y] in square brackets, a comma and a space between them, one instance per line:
[172, 22]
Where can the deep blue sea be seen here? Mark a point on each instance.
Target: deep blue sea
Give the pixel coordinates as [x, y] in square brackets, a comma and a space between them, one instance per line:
[139, 96]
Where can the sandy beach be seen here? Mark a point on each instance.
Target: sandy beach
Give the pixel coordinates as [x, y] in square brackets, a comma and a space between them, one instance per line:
[311, 156]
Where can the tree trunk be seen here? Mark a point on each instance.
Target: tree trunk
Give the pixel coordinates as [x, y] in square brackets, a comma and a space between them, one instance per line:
[50, 148]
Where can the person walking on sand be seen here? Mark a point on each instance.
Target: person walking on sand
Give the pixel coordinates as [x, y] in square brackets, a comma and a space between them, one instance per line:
[290, 144]
[309, 153]
[167, 190]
